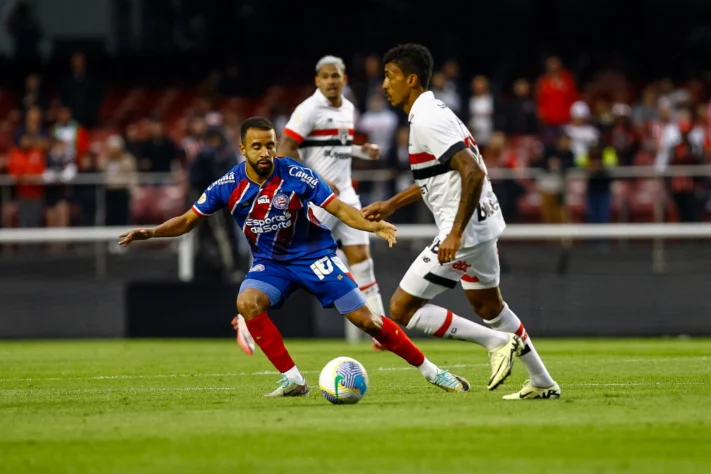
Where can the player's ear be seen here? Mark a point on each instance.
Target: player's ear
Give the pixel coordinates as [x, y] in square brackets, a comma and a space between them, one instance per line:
[411, 80]
[345, 78]
[242, 150]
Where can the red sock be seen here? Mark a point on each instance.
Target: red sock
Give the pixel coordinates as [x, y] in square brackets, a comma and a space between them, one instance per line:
[394, 339]
[269, 339]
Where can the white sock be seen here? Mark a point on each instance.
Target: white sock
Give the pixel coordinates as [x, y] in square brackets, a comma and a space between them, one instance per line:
[365, 278]
[507, 321]
[428, 370]
[441, 322]
[295, 376]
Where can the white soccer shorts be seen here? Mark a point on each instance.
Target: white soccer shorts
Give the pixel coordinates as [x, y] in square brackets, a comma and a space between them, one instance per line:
[477, 268]
[347, 236]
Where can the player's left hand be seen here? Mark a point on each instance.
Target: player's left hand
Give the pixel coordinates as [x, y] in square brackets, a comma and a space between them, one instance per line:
[372, 150]
[448, 248]
[387, 231]
[135, 234]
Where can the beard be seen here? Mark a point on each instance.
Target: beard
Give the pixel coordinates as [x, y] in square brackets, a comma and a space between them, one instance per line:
[262, 170]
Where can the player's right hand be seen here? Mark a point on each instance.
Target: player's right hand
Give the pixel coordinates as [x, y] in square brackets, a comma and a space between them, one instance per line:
[377, 211]
[387, 231]
[135, 234]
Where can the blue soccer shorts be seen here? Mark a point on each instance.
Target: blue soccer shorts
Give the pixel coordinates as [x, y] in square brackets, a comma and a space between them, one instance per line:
[326, 277]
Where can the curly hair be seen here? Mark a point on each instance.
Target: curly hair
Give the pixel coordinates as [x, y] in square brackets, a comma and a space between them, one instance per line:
[412, 59]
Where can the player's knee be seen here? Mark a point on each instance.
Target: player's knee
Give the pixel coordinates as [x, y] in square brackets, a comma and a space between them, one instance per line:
[367, 321]
[251, 304]
[488, 309]
[401, 311]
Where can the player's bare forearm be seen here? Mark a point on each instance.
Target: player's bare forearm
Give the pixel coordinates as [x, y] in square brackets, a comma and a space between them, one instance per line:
[472, 183]
[177, 226]
[288, 147]
[405, 198]
[350, 216]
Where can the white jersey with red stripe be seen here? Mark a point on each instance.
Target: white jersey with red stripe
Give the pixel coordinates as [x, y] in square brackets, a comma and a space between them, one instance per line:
[325, 136]
[436, 135]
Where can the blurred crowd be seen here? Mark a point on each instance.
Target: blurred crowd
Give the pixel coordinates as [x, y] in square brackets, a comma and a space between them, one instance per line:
[56, 142]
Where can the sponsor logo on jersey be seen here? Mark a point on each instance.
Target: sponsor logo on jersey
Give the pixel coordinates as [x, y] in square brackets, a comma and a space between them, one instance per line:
[228, 178]
[304, 174]
[461, 266]
[337, 155]
[269, 224]
[257, 268]
[263, 200]
[280, 201]
[202, 199]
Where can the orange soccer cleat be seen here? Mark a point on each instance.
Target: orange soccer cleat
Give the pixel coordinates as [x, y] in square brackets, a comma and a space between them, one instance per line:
[244, 338]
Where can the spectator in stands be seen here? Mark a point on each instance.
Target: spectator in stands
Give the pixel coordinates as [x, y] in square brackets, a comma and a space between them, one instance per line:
[373, 79]
[34, 94]
[453, 82]
[519, 114]
[119, 168]
[582, 135]
[61, 170]
[623, 136]
[33, 129]
[82, 93]
[380, 123]
[27, 164]
[687, 191]
[603, 118]
[159, 151]
[448, 95]
[192, 143]
[509, 189]
[599, 191]
[555, 162]
[133, 143]
[674, 134]
[646, 109]
[555, 94]
[84, 195]
[481, 110]
[71, 133]
[217, 241]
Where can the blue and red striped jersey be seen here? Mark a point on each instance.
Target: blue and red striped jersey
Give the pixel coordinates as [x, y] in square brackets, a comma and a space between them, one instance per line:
[275, 217]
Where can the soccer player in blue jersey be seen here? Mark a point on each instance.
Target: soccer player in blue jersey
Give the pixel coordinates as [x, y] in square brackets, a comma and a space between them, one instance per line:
[269, 198]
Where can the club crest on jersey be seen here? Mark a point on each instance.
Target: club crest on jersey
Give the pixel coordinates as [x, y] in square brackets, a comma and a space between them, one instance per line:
[280, 201]
[263, 200]
[343, 135]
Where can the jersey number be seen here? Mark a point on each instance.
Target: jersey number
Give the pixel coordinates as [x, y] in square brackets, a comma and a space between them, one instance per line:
[324, 266]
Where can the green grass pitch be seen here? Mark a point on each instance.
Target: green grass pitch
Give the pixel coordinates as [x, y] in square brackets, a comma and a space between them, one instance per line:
[196, 406]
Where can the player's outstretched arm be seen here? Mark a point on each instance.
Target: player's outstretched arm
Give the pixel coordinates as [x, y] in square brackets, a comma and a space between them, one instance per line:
[174, 227]
[381, 209]
[473, 176]
[352, 217]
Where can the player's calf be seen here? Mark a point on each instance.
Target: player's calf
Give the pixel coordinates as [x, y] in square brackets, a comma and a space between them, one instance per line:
[252, 303]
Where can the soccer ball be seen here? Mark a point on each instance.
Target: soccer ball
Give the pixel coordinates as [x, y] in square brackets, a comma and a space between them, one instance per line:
[343, 381]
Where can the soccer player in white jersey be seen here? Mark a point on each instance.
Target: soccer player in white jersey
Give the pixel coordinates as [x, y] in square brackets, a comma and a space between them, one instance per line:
[450, 176]
[320, 133]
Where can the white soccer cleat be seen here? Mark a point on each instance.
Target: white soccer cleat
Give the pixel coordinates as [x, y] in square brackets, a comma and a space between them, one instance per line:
[244, 338]
[531, 392]
[287, 388]
[502, 360]
[450, 382]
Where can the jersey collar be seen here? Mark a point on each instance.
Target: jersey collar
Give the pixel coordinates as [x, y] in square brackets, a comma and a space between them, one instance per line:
[419, 102]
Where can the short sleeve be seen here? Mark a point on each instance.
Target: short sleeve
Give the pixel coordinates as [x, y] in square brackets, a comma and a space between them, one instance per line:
[312, 187]
[441, 137]
[215, 196]
[300, 123]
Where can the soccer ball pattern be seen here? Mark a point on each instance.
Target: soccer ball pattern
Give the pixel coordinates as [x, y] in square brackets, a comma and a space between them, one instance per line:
[343, 381]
